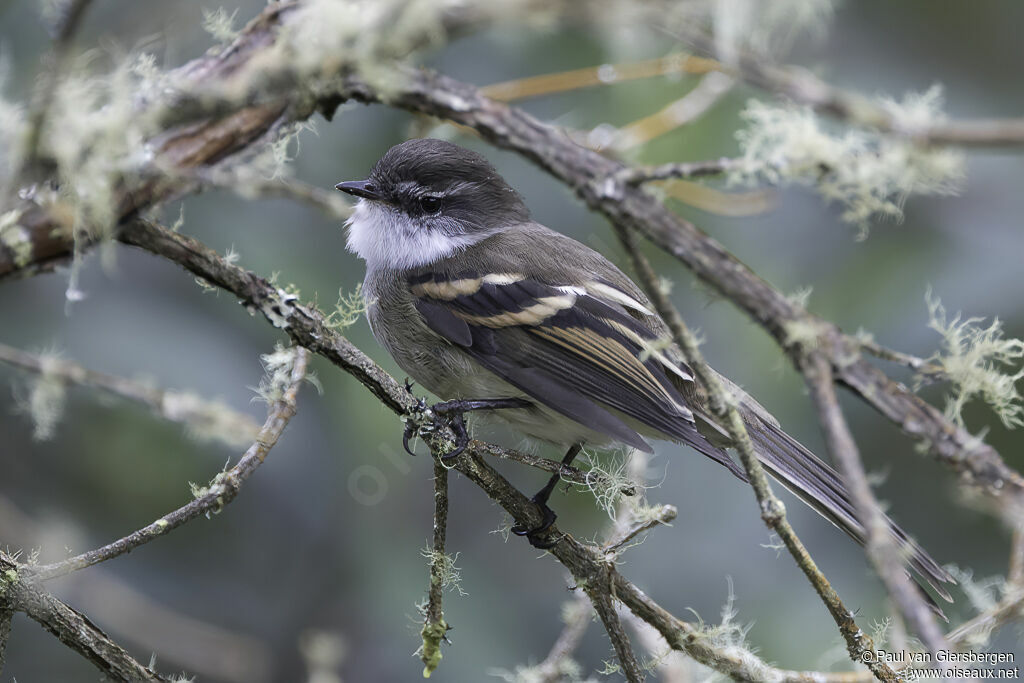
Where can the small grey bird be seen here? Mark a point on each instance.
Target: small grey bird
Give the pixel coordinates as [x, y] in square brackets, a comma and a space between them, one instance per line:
[483, 306]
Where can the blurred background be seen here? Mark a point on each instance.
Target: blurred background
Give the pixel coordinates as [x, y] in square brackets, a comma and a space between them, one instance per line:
[319, 558]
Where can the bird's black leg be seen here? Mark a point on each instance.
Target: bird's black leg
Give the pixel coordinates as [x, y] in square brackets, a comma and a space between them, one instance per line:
[412, 425]
[541, 499]
[452, 412]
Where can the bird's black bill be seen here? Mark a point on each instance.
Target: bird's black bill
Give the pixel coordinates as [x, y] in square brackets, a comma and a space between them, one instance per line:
[360, 188]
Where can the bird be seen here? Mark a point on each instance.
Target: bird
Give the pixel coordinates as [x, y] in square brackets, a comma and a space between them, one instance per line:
[490, 310]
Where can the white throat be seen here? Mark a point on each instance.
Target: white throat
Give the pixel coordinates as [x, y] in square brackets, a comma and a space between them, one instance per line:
[386, 238]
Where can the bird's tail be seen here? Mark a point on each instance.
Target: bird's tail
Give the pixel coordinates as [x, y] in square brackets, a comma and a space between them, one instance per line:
[821, 487]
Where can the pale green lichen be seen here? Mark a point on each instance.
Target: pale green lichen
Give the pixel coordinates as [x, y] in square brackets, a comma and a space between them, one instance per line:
[801, 296]
[429, 651]
[728, 638]
[349, 309]
[443, 570]
[765, 28]
[980, 363]
[15, 237]
[802, 333]
[869, 174]
[207, 420]
[277, 367]
[47, 396]
[984, 596]
[607, 481]
[220, 24]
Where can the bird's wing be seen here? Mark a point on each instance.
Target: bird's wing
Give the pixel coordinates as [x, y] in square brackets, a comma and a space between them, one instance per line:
[573, 348]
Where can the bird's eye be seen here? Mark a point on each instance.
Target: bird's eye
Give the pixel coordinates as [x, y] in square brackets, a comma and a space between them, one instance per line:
[430, 203]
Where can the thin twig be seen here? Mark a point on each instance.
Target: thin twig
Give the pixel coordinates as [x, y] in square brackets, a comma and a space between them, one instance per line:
[683, 111]
[1015, 571]
[577, 618]
[878, 542]
[663, 514]
[601, 598]
[20, 591]
[567, 473]
[605, 74]
[222, 490]
[1009, 608]
[328, 202]
[209, 419]
[6, 615]
[921, 366]
[772, 510]
[435, 627]
[686, 169]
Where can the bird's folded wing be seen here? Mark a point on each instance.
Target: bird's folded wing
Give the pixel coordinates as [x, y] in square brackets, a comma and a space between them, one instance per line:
[575, 349]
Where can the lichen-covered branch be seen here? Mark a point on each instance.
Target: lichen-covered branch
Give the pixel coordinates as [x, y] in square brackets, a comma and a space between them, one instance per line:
[20, 591]
[1009, 608]
[881, 547]
[435, 627]
[602, 597]
[684, 169]
[555, 665]
[206, 419]
[225, 486]
[6, 615]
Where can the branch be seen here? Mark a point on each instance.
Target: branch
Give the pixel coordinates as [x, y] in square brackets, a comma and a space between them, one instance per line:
[800, 85]
[605, 74]
[211, 419]
[435, 627]
[1011, 606]
[586, 563]
[879, 543]
[19, 590]
[6, 615]
[331, 204]
[773, 512]
[222, 490]
[601, 597]
[691, 169]
[577, 618]
[633, 527]
[688, 108]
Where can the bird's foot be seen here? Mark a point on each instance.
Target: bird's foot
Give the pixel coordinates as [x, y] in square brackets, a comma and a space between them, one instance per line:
[451, 413]
[534, 535]
[413, 421]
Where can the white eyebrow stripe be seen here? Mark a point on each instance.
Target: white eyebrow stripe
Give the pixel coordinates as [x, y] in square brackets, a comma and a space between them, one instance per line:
[600, 290]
